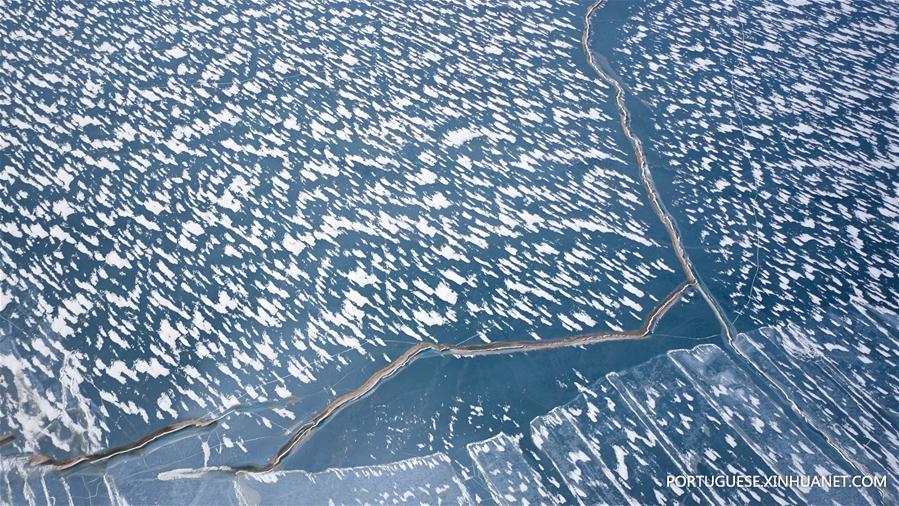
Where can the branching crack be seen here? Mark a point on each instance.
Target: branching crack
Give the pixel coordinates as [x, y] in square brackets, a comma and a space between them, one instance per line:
[471, 350]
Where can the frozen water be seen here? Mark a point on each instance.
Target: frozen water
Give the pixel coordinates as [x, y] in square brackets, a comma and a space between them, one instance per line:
[502, 464]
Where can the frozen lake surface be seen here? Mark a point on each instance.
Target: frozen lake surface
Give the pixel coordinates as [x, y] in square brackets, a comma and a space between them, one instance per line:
[226, 216]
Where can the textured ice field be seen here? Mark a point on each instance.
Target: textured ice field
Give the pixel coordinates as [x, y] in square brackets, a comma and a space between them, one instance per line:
[698, 411]
[217, 206]
[776, 123]
[241, 211]
[509, 477]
